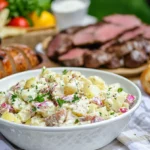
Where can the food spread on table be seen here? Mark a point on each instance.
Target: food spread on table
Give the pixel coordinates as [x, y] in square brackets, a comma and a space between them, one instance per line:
[63, 99]
[118, 41]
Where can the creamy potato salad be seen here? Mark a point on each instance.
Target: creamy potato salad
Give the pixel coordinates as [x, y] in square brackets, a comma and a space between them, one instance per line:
[64, 99]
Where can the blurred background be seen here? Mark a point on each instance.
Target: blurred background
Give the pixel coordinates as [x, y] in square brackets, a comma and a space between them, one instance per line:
[100, 8]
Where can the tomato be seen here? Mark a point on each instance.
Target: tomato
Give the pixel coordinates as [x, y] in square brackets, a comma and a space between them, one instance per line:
[19, 22]
[3, 4]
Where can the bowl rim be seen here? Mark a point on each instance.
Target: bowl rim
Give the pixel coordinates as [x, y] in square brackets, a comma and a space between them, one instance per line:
[80, 127]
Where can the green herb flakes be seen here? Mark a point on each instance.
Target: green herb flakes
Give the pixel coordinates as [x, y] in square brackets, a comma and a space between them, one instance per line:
[60, 102]
[39, 98]
[13, 97]
[100, 113]
[76, 121]
[30, 98]
[112, 113]
[120, 90]
[64, 72]
[34, 109]
[109, 88]
[75, 98]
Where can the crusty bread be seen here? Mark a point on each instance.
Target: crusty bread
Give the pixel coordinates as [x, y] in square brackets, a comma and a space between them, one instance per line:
[145, 80]
[16, 58]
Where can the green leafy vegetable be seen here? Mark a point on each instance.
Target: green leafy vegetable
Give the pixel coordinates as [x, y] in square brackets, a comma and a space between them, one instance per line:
[65, 72]
[120, 90]
[100, 113]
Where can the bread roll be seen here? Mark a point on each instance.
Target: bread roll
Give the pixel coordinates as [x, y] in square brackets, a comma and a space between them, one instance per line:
[16, 58]
[145, 80]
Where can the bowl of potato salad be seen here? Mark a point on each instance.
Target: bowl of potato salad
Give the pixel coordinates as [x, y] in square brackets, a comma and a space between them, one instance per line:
[65, 108]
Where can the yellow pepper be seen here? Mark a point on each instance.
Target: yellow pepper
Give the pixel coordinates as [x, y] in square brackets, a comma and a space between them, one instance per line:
[46, 19]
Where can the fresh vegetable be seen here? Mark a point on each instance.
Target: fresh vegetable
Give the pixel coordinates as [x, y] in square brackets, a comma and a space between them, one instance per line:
[25, 7]
[19, 21]
[3, 4]
[44, 20]
[130, 98]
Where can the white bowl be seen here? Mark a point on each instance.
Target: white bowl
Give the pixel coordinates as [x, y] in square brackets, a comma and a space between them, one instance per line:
[84, 137]
[69, 17]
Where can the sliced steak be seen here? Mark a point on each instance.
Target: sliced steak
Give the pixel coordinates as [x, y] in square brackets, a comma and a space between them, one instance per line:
[146, 33]
[121, 49]
[97, 58]
[107, 32]
[128, 21]
[115, 62]
[72, 30]
[74, 57]
[131, 35]
[135, 59]
[108, 44]
[84, 36]
[146, 44]
[60, 44]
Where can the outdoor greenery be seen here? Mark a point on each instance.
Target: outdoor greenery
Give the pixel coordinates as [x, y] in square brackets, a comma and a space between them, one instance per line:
[100, 8]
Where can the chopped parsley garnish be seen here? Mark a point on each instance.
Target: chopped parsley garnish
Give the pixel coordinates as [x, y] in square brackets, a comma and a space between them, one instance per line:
[13, 97]
[49, 96]
[60, 102]
[34, 109]
[43, 70]
[120, 90]
[30, 98]
[65, 72]
[112, 113]
[39, 98]
[75, 98]
[100, 113]
[76, 121]
[109, 88]
[36, 87]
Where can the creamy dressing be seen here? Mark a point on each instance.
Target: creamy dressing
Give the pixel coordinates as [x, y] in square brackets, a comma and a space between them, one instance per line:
[68, 5]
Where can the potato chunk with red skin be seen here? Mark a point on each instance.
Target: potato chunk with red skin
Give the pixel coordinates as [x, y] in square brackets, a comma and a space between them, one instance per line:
[57, 118]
